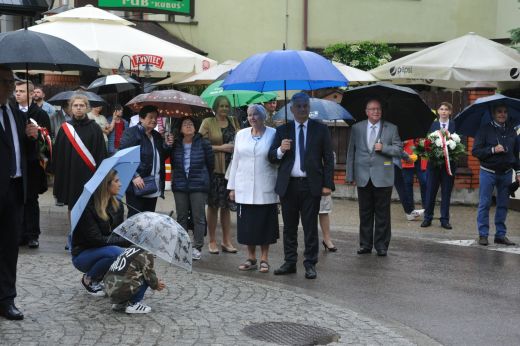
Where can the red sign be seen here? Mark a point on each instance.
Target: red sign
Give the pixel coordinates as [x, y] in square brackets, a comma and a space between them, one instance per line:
[143, 59]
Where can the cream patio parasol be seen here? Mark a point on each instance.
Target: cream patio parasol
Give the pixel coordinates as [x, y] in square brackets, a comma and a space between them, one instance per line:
[106, 38]
[470, 58]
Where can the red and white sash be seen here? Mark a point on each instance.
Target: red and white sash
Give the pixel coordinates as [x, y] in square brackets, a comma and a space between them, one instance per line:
[446, 152]
[78, 145]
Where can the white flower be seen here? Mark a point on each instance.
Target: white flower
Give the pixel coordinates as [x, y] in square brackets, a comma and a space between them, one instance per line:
[354, 63]
[451, 144]
[354, 48]
[455, 137]
[433, 136]
[438, 142]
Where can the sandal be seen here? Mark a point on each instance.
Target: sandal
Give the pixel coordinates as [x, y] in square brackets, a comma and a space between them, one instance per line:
[249, 264]
[264, 267]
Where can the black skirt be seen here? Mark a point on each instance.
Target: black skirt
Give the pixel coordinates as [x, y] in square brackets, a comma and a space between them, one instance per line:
[257, 224]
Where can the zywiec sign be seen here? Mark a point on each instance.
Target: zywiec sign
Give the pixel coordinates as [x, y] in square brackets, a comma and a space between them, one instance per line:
[143, 59]
[180, 7]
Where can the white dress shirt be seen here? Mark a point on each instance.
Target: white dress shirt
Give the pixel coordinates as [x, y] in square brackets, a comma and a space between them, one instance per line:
[444, 126]
[296, 172]
[16, 141]
[369, 130]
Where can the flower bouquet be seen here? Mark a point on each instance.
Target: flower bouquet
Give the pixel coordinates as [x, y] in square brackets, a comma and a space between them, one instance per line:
[440, 147]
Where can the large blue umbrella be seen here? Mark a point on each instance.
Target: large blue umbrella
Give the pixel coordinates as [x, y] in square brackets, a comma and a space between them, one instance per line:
[125, 162]
[469, 121]
[319, 109]
[284, 70]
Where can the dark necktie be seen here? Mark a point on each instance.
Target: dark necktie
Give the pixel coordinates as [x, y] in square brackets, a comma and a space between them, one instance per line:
[9, 136]
[301, 145]
[444, 126]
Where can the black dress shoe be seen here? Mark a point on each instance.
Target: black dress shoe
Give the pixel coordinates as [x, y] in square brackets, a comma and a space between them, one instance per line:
[10, 312]
[34, 244]
[426, 223]
[363, 251]
[310, 272]
[483, 241]
[381, 253]
[446, 225]
[286, 268]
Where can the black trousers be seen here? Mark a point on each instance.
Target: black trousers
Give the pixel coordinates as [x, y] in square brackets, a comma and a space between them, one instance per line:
[374, 216]
[299, 203]
[11, 213]
[139, 204]
[31, 219]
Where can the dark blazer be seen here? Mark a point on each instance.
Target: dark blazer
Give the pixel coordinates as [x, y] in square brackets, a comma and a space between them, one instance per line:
[436, 125]
[37, 179]
[27, 147]
[319, 159]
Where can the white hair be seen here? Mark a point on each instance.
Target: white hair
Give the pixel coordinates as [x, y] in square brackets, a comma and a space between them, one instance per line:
[258, 109]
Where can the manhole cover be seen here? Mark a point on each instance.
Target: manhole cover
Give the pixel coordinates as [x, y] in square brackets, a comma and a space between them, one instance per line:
[287, 333]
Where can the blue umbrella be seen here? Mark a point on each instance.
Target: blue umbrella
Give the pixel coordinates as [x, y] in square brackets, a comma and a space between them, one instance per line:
[319, 109]
[125, 162]
[469, 121]
[284, 70]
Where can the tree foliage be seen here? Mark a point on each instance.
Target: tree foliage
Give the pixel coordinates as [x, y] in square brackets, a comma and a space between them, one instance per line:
[364, 55]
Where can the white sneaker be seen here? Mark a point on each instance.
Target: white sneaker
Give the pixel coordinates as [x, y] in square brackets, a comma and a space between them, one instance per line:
[94, 288]
[418, 212]
[138, 308]
[195, 254]
[411, 217]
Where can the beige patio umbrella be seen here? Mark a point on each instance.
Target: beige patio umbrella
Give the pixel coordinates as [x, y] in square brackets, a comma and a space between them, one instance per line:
[354, 75]
[106, 38]
[203, 78]
[470, 58]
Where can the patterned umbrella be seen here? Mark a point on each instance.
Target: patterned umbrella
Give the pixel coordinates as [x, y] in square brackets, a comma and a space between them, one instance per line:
[171, 103]
[160, 235]
[112, 84]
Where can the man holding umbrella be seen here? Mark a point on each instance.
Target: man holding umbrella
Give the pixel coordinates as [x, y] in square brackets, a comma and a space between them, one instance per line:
[496, 147]
[15, 144]
[303, 148]
[373, 146]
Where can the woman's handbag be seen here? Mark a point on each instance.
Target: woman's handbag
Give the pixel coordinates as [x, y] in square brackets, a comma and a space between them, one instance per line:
[149, 187]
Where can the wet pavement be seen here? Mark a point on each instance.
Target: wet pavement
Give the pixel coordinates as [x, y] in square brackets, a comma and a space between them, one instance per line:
[426, 291]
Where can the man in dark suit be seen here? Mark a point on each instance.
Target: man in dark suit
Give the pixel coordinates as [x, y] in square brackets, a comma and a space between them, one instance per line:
[438, 176]
[36, 176]
[303, 149]
[14, 143]
[373, 147]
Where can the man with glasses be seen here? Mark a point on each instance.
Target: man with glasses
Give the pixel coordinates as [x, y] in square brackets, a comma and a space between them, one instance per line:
[373, 145]
[16, 141]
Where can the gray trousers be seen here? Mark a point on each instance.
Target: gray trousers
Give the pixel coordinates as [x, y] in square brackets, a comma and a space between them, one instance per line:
[196, 201]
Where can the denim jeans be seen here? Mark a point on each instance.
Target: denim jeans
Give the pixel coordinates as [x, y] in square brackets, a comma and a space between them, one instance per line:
[408, 174]
[488, 181]
[95, 262]
[404, 196]
[139, 295]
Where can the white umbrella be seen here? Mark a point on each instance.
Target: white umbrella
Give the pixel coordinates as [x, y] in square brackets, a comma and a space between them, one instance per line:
[354, 74]
[106, 38]
[113, 83]
[470, 58]
[210, 75]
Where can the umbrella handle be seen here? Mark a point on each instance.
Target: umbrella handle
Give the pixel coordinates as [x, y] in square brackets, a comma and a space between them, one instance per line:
[129, 206]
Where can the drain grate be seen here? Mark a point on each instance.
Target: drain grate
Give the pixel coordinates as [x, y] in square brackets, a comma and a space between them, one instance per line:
[288, 333]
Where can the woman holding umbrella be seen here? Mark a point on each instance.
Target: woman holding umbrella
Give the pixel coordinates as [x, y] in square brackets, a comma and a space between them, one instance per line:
[220, 130]
[94, 247]
[148, 181]
[79, 148]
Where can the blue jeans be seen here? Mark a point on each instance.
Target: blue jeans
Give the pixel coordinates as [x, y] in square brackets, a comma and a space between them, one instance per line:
[408, 174]
[488, 181]
[404, 196]
[139, 295]
[95, 262]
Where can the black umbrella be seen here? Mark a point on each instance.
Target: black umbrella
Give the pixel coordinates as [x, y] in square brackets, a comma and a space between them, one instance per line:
[62, 98]
[29, 50]
[401, 106]
[112, 84]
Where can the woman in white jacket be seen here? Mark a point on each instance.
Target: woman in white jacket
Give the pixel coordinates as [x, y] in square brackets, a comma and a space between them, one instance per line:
[252, 179]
